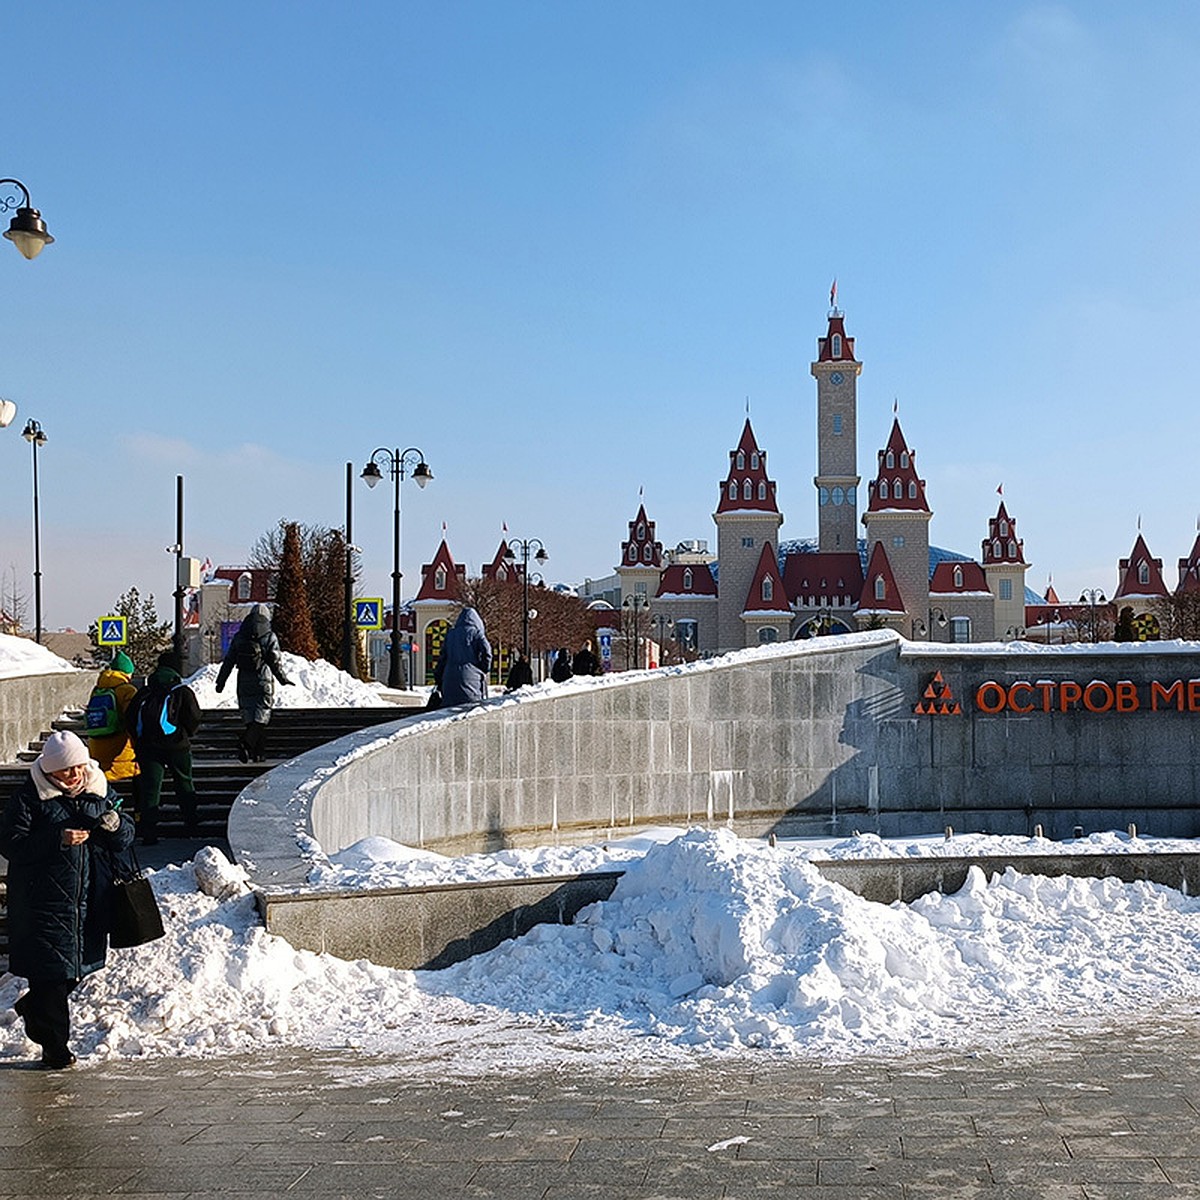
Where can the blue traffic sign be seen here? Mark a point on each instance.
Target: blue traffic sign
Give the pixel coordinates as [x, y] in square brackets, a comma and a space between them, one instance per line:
[112, 631]
[368, 613]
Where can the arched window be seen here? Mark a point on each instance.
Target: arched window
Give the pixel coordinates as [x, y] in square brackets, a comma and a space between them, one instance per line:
[754, 460]
[890, 461]
[823, 496]
[912, 489]
[747, 489]
[439, 579]
[835, 345]
[762, 489]
[768, 587]
[647, 553]
[838, 495]
[880, 588]
[768, 634]
[687, 579]
[501, 574]
[1012, 550]
[883, 489]
[244, 584]
[741, 460]
[958, 577]
[904, 458]
[733, 489]
[1143, 572]
[898, 488]
[632, 552]
[997, 549]
[1004, 529]
[641, 531]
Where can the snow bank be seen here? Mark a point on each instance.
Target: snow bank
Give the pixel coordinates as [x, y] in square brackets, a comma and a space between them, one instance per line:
[314, 685]
[23, 656]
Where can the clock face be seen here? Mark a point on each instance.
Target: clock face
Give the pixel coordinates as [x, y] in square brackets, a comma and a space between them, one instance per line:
[836, 377]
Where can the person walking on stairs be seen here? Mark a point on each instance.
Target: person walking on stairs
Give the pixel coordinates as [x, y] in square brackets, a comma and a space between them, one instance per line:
[255, 652]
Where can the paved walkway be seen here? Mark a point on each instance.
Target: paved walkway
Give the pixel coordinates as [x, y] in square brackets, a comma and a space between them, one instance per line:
[1090, 1117]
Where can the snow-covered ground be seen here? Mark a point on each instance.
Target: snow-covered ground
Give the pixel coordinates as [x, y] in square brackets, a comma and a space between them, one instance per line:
[314, 685]
[24, 656]
[709, 945]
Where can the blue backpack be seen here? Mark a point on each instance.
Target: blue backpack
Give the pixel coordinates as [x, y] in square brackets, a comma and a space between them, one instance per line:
[102, 717]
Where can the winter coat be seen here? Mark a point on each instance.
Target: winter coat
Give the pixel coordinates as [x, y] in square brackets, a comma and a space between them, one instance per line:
[466, 659]
[561, 671]
[520, 674]
[58, 897]
[585, 662]
[114, 751]
[255, 652]
[151, 744]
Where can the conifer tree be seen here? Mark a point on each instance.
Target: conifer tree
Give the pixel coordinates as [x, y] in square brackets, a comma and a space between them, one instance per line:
[146, 636]
[292, 618]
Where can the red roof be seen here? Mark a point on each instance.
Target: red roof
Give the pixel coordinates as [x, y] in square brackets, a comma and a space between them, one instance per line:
[501, 568]
[746, 487]
[825, 345]
[260, 584]
[675, 579]
[1189, 570]
[640, 548]
[958, 577]
[817, 580]
[879, 568]
[1141, 574]
[1002, 544]
[897, 486]
[441, 584]
[767, 593]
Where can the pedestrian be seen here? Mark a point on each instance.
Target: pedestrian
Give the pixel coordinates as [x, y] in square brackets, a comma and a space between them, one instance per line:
[104, 719]
[560, 672]
[255, 652]
[58, 830]
[520, 674]
[162, 718]
[585, 661]
[462, 669]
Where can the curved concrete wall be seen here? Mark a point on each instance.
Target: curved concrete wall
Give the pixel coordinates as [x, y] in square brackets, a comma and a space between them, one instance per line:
[816, 738]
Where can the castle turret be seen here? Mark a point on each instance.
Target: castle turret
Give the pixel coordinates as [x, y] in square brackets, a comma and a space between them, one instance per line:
[836, 372]
[1004, 566]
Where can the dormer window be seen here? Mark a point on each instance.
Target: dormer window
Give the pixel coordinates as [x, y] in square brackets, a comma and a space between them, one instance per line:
[687, 579]
[958, 577]
[647, 553]
[912, 489]
[733, 489]
[501, 574]
[898, 489]
[741, 460]
[768, 588]
[439, 579]
[835, 345]
[1004, 529]
[880, 588]
[747, 489]
[1012, 550]
[904, 458]
[754, 461]
[632, 553]
[1143, 572]
[762, 490]
[891, 460]
[883, 489]
[641, 531]
[244, 584]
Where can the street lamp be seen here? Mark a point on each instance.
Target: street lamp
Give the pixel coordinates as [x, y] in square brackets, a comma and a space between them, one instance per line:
[35, 435]
[634, 606]
[525, 547]
[397, 461]
[1092, 597]
[349, 641]
[664, 625]
[27, 230]
[935, 614]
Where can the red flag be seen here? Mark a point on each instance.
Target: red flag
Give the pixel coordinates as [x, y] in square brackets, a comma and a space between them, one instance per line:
[1000, 490]
[833, 293]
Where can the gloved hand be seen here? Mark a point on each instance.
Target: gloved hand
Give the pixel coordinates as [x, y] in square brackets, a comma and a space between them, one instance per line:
[220, 688]
[110, 822]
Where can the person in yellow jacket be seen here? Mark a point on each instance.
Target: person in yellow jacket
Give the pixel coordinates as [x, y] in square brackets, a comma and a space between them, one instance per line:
[112, 749]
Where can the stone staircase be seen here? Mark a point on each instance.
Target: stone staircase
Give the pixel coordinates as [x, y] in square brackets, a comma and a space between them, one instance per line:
[218, 774]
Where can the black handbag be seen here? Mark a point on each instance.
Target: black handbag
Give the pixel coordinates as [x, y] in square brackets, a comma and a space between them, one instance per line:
[134, 918]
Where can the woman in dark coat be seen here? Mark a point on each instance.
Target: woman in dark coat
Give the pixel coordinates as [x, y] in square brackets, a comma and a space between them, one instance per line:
[58, 831]
[520, 674]
[466, 659]
[255, 652]
[560, 672]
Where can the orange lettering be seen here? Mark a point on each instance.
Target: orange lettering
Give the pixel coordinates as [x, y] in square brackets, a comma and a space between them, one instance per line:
[1046, 687]
[1169, 695]
[1193, 694]
[1127, 697]
[1106, 694]
[990, 697]
[1068, 695]
[1012, 698]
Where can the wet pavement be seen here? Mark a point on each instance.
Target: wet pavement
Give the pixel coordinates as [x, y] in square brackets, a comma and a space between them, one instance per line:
[1099, 1115]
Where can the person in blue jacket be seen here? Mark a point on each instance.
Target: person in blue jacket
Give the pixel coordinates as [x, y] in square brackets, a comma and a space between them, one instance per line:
[59, 831]
[462, 670]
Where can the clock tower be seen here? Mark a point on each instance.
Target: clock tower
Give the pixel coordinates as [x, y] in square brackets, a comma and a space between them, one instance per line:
[836, 372]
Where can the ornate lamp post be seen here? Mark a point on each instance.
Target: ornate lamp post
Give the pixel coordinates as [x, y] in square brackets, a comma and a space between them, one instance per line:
[35, 435]
[634, 605]
[1093, 598]
[27, 231]
[397, 462]
[935, 614]
[525, 547]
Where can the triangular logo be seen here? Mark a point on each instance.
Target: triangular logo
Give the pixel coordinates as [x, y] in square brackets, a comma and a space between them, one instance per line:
[937, 700]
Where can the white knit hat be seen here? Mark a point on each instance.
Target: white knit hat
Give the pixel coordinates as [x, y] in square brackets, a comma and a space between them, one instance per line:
[61, 750]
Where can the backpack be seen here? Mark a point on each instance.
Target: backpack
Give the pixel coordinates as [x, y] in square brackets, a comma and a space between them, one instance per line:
[159, 718]
[102, 717]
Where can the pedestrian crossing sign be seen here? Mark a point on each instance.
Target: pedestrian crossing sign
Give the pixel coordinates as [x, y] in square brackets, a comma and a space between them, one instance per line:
[368, 613]
[111, 631]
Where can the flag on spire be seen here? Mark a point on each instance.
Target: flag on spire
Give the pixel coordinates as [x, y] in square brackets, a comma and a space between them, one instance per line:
[896, 406]
[443, 529]
[833, 293]
[504, 527]
[1000, 490]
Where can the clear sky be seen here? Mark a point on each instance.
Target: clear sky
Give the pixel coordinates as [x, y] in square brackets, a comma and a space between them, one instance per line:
[557, 246]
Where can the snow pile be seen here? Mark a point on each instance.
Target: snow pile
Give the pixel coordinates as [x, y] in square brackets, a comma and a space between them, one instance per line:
[708, 945]
[314, 685]
[23, 656]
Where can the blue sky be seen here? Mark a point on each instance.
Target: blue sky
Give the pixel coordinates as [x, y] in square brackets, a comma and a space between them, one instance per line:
[557, 246]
